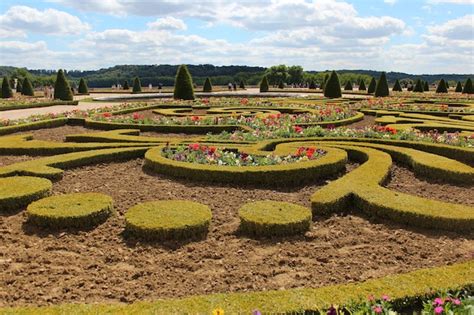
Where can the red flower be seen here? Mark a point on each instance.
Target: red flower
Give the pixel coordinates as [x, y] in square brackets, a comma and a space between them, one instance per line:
[205, 100]
[244, 101]
[310, 152]
[212, 150]
[194, 146]
[195, 118]
[136, 116]
[107, 114]
[297, 129]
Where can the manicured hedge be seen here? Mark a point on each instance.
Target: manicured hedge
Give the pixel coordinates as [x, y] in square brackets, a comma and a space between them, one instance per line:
[79, 210]
[273, 218]
[37, 105]
[49, 123]
[17, 192]
[168, 219]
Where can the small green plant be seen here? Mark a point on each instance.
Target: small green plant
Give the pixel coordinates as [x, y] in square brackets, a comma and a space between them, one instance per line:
[83, 89]
[207, 85]
[372, 86]
[333, 87]
[137, 86]
[6, 89]
[381, 89]
[183, 84]
[27, 88]
[397, 87]
[442, 88]
[264, 85]
[62, 89]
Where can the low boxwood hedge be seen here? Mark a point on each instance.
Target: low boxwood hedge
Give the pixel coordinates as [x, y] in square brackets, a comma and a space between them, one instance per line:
[79, 210]
[37, 105]
[48, 123]
[168, 219]
[274, 218]
[17, 192]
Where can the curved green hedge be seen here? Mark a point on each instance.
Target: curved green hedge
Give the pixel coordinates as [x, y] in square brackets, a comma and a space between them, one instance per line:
[17, 192]
[79, 210]
[48, 123]
[168, 219]
[37, 105]
[273, 218]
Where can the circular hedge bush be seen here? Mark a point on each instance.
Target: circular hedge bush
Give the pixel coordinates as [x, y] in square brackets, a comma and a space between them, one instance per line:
[168, 219]
[17, 192]
[274, 218]
[80, 210]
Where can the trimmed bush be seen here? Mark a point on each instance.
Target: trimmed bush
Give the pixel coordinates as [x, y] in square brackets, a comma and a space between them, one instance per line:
[168, 219]
[362, 86]
[458, 87]
[426, 87]
[372, 86]
[468, 88]
[273, 218]
[348, 86]
[27, 88]
[312, 85]
[79, 210]
[137, 85]
[83, 89]
[397, 87]
[418, 86]
[6, 89]
[125, 85]
[183, 84]
[62, 89]
[207, 85]
[381, 90]
[242, 84]
[333, 87]
[325, 80]
[442, 87]
[264, 85]
[17, 192]
[19, 85]
[281, 85]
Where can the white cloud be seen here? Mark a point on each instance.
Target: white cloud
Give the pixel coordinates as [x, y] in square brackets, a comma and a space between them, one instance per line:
[168, 23]
[450, 1]
[22, 20]
[391, 2]
[457, 29]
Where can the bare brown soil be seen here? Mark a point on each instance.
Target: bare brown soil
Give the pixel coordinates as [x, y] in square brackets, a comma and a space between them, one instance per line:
[368, 121]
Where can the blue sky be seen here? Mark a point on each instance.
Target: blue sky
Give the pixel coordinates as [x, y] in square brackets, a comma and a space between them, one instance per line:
[424, 36]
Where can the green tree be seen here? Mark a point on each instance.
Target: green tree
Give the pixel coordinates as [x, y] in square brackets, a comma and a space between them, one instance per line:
[372, 86]
[441, 88]
[275, 74]
[312, 84]
[362, 85]
[468, 88]
[281, 85]
[295, 74]
[426, 87]
[397, 87]
[418, 86]
[242, 84]
[264, 84]
[333, 87]
[458, 87]
[62, 89]
[6, 89]
[83, 89]
[348, 86]
[27, 88]
[19, 85]
[325, 80]
[183, 84]
[137, 85]
[125, 85]
[381, 89]
[207, 85]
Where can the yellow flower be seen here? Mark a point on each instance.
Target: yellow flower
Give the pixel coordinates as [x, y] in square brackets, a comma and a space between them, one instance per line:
[218, 311]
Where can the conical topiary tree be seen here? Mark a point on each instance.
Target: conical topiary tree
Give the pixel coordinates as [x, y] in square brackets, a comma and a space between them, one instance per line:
[19, 85]
[348, 86]
[447, 85]
[6, 89]
[62, 89]
[183, 84]
[281, 85]
[468, 89]
[397, 87]
[137, 85]
[312, 85]
[372, 86]
[381, 90]
[333, 87]
[458, 87]
[426, 87]
[325, 80]
[441, 87]
[207, 86]
[264, 84]
[27, 88]
[242, 85]
[83, 89]
[362, 85]
[418, 86]
[125, 85]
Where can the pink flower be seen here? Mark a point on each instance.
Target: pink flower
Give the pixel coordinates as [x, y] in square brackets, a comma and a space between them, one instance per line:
[371, 298]
[438, 310]
[205, 100]
[136, 116]
[244, 101]
[457, 302]
[438, 301]
[297, 129]
[378, 309]
[385, 297]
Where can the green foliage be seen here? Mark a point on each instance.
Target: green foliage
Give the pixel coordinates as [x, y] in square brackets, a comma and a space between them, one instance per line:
[458, 87]
[397, 87]
[125, 85]
[312, 85]
[418, 86]
[168, 219]
[137, 85]
[348, 86]
[17, 192]
[27, 88]
[468, 88]
[277, 74]
[281, 85]
[62, 89]
[295, 74]
[79, 210]
[83, 89]
[333, 87]
[381, 89]
[325, 80]
[426, 87]
[442, 87]
[273, 218]
[242, 84]
[183, 86]
[6, 89]
[19, 85]
[362, 86]
[207, 85]
[372, 86]
[264, 85]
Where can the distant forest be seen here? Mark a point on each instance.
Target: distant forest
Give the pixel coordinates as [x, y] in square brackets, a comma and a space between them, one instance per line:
[220, 75]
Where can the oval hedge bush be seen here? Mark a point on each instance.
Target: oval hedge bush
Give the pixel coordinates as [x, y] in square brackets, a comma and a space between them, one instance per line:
[274, 218]
[17, 192]
[168, 219]
[79, 210]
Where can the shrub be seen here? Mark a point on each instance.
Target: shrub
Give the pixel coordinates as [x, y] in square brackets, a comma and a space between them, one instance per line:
[458, 87]
[242, 84]
[207, 85]
[183, 84]
[19, 85]
[137, 85]
[83, 89]
[372, 86]
[168, 219]
[17, 192]
[333, 87]
[468, 88]
[381, 90]
[312, 85]
[348, 86]
[442, 87]
[264, 84]
[362, 86]
[325, 80]
[79, 210]
[397, 87]
[62, 89]
[418, 86]
[125, 85]
[27, 88]
[6, 89]
[273, 218]
[426, 87]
